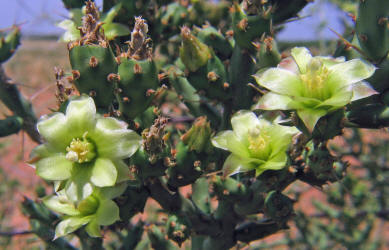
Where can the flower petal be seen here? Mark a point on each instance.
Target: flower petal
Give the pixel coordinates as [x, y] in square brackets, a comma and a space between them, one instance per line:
[56, 204]
[272, 101]
[70, 225]
[310, 117]
[281, 137]
[280, 81]
[302, 56]
[243, 121]
[276, 163]
[227, 140]
[289, 64]
[104, 173]
[344, 74]
[123, 171]
[113, 140]
[112, 192]
[78, 187]
[362, 90]
[339, 99]
[93, 228]
[235, 164]
[81, 116]
[107, 213]
[54, 167]
[54, 130]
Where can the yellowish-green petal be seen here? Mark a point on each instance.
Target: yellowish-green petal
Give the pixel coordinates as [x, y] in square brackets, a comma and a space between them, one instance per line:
[81, 116]
[114, 140]
[78, 187]
[302, 57]
[344, 74]
[310, 117]
[54, 167]
[107, 213]
[339, 99]
[280, 81]
[227, 140]
[111, 192]
[123, 171]
[54, 130]
[362, 90]
[235, 164]
[273, 101]
[104, 173]
[59, 205]
[70, 225]
[93, 228]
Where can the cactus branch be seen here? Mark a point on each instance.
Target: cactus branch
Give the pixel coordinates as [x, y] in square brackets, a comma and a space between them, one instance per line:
[12, 98]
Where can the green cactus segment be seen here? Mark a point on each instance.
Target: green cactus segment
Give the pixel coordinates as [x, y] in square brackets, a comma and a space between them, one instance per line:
[200, 195]
[198, 137]
[132, 202]
[196, 104]
[286, 9]
[214, 39]
[174, 16]
[248, 27]
[73, 4]
[9, 43]
[268, 55]
[372, 28]
[10, 125]
[206, 71]
[370, 116]
[278, 207]
[93, 67]
[132, 237]
[321, 162]
[178, 229]
[187, 168]
[137, 85]
[158, 240]
[229, 188]
[193, 53]
[242, 68]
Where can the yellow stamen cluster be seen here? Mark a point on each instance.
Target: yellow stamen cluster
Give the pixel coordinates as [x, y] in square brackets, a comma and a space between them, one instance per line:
[80, 150]
[258, 143]
[314, 79]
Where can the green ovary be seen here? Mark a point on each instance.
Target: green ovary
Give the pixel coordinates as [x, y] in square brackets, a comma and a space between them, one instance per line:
[88, 206]
[314, 80]
[259, 144]
[81, 150]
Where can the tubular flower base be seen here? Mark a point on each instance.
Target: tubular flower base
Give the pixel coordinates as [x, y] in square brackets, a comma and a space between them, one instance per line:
[83, 149]
[314, 86]
[254, 143]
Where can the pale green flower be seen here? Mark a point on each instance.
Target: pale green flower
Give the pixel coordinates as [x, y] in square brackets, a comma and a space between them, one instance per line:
[94, 211]
[314, 86]
[254, 144]
[83, 149]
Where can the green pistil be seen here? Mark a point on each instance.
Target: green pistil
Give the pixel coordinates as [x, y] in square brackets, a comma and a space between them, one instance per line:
[81, 150]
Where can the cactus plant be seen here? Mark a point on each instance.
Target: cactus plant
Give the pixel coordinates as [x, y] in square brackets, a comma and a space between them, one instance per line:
[276, 132]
